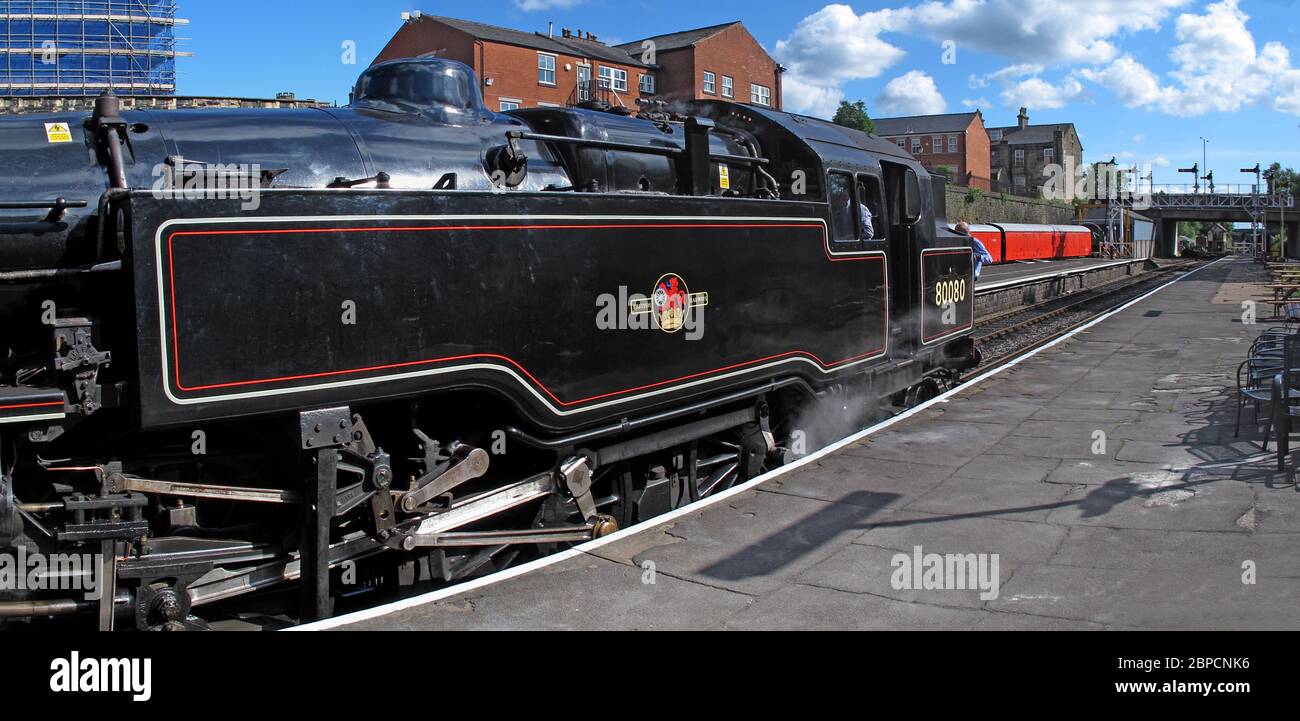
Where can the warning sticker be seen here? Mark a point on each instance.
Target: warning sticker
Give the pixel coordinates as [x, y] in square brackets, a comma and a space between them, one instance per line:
[724, 177]
[58, 133]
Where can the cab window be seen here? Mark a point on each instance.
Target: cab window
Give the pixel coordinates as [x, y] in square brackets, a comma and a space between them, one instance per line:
[844, 224]
[871, 196]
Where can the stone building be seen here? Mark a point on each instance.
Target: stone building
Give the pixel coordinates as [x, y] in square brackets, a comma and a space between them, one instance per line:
[1020, 153]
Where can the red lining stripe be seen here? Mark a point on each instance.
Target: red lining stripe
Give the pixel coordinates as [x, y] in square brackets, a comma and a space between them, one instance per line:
[31, 405]
[491, 356]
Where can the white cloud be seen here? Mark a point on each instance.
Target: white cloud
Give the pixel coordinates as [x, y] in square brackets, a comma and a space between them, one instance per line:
[1217, 66]
[912, 93]
[836, 45]
[1160, 161]
[1005, 75]
[1042, 32]
[1139, 138]
[830, 47]
[1038, 94]
[529, 6]
[980, 102]
[1217, 69]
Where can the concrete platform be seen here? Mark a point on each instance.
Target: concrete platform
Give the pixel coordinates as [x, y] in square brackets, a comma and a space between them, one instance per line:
[1155, 530]
[1018, 272]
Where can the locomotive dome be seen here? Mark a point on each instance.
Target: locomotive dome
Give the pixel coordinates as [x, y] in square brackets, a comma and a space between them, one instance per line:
[422, 85]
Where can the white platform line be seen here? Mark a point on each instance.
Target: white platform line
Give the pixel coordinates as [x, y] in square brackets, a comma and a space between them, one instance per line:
[452, 591]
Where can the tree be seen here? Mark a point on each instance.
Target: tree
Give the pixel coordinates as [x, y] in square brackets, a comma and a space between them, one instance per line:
[1192, 229]
[1283, 179]
[854, 115]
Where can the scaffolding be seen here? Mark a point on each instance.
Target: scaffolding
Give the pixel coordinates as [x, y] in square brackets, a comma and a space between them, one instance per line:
[76, 47]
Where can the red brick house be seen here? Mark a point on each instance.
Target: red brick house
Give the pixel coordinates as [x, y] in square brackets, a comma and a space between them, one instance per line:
[526, 70]
[956, 144]
[520, 69]
[719, 62]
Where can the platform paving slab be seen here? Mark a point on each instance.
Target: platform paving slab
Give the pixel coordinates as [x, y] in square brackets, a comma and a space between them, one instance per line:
[1152, 533]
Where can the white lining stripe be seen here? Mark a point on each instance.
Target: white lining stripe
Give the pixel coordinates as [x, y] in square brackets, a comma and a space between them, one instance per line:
[42, 417]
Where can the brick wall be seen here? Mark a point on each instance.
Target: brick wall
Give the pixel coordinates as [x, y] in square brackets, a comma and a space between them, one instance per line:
[511, 69]
[513, 72]
[970, 164]
[732, 52]
[976, 152]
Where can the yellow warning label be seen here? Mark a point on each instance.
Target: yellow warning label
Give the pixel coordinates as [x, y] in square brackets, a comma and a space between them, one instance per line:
[724, 177]
[58, 133]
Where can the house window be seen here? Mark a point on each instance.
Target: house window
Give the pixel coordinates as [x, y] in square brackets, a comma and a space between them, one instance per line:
[1049, 155]
[952, 143]
[710, 83]
[995, 159]
[728, 86]
[936, 144]
[760, 94]
[1020, 182]
[647, 84]
[509, 105]
[545, 69]
[613, 78]
[995, 135]
[916, 145]
[902, 143]
[1020, 156]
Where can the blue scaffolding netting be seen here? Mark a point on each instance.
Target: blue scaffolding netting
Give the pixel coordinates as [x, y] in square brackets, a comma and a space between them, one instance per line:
[71, 47]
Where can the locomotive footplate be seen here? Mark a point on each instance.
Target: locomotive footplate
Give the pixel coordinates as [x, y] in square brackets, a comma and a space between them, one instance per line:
[29, 404]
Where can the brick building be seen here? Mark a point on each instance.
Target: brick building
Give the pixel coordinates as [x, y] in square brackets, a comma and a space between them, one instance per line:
[526, 70]
[719, 62]
[1019, 153]
[955, 144]
[520, 69]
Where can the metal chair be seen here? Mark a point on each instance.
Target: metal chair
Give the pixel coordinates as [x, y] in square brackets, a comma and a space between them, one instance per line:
[1254, 384]
[1284, 395]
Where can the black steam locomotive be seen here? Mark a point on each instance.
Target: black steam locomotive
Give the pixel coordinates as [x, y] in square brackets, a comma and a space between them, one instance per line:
[413, 340]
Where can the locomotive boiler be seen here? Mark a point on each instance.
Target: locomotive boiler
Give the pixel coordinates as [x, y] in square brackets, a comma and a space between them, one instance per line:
[411, 340]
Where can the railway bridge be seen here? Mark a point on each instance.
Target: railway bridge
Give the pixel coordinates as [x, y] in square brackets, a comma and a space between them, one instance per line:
[1167, 205]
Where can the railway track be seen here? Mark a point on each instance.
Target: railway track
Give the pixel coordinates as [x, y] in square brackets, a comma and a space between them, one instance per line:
[1008, 335]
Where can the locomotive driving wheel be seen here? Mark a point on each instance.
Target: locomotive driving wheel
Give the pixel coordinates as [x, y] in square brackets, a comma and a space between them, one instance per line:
[720, 463]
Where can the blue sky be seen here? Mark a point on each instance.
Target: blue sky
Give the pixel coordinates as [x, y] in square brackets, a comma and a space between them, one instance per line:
[1142, 80]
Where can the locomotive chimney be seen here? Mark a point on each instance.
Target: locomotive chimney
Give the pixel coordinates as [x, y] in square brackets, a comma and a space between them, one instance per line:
[694, 168]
